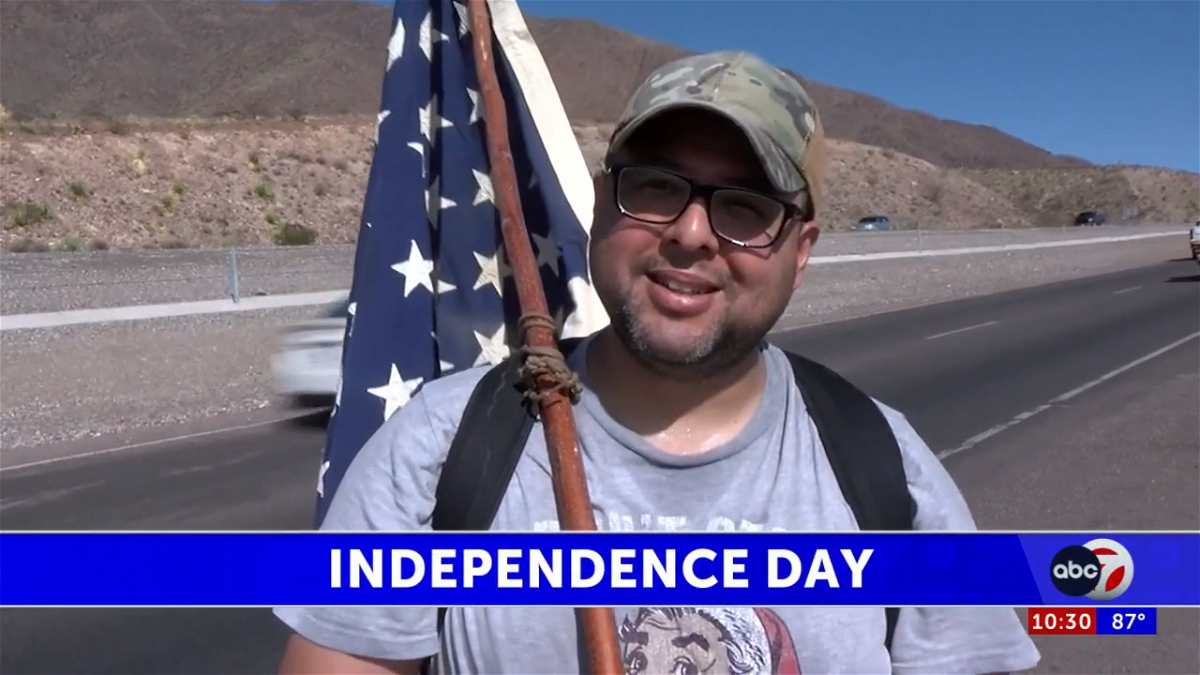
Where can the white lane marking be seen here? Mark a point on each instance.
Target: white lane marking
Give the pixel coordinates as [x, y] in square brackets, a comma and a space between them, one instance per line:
[164, 311]
[146, 444]
[935, 253]
[962, 330]
[1126, 290]
[176, 309]
[1063, 398]
[44, 497]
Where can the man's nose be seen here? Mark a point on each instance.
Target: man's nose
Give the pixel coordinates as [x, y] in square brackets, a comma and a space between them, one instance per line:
[692, 230]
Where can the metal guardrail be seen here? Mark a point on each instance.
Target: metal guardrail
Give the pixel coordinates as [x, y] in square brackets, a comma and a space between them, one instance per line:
[234, 277]
[863, 241]
[48, 282]
[42, 282]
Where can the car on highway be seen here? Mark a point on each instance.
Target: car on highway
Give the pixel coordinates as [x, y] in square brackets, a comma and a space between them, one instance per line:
[1090, 218]
[308, 362]
[873, 224]
[1194, 236]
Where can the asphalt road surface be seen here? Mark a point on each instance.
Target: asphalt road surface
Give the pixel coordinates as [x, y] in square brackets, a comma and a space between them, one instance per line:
[1069, 406]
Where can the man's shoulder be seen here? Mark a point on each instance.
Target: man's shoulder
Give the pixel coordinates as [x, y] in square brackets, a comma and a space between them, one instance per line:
[906, 435]
[433, 413]
[447, 396]
[940, 504]
[895, 419]
[912, 446]
[421, 430]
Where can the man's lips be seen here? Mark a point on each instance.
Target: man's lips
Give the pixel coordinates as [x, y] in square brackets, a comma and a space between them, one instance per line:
[682, 282]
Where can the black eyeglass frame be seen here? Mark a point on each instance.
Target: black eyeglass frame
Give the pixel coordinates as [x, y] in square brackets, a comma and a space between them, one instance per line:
[704, 190]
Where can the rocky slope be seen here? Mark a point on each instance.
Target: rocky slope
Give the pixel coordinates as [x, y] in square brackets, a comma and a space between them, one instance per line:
[189, 123]
[198, 58]
[219, 185]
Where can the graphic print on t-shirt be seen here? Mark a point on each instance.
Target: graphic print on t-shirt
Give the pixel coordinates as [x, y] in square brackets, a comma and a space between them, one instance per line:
[707, 640]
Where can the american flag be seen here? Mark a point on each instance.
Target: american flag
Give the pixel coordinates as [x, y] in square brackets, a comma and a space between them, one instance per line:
[431, 291]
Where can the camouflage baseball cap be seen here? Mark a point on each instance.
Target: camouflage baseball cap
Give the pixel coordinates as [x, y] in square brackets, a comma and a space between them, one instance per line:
[774, 111]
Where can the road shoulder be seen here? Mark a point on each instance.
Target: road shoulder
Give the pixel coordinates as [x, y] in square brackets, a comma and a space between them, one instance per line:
[150, 439]
[1122, 456]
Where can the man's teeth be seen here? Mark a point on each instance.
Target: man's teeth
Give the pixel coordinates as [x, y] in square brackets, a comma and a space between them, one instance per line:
[680, 288]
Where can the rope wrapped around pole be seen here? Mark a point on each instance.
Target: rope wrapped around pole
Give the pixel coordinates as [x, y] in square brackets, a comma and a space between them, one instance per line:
[550, 381]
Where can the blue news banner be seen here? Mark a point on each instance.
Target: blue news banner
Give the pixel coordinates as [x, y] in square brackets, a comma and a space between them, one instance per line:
[582, 569]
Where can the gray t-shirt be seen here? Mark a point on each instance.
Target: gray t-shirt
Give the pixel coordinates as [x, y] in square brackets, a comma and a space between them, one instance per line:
[773, 476]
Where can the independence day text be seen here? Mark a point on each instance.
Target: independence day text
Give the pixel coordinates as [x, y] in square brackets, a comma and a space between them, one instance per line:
[587, 568]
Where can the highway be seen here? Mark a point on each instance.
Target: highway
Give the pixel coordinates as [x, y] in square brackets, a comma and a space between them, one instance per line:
[1071, 405]
[35, 283]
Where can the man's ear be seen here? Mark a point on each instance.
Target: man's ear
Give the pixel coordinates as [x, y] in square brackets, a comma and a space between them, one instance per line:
[600, 193]
[809, 233]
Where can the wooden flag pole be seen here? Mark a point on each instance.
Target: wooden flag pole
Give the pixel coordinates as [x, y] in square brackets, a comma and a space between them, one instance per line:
[552, 384]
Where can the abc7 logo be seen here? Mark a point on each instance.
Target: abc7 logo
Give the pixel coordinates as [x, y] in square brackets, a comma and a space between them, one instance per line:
[1101, 569]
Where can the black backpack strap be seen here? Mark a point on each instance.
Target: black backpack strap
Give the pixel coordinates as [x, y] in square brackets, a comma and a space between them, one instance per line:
[498, 419]
[489, 442]
[862, 451]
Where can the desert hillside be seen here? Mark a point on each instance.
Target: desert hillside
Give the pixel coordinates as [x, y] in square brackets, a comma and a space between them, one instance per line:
[245, 184]
[189, 123]
[1125, 193]
[206, 58]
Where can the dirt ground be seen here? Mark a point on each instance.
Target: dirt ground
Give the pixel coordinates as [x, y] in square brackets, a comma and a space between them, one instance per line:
[183, 184]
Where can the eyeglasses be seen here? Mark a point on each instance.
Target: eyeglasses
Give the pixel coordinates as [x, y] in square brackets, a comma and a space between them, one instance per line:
[741, 217]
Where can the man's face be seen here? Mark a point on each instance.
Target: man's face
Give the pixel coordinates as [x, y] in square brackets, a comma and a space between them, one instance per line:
[681, 299]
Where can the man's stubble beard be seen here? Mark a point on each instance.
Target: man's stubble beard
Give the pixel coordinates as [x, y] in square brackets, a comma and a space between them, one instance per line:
[723, 345]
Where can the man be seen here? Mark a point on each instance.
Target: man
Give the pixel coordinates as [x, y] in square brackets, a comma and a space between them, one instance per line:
[689, 420]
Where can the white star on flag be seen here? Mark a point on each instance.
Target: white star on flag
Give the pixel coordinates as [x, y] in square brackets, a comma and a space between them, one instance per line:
[419, 147]
[427, 35]
[417, 270]
[428, 116]
[464, 21]
[321, 479]
[435, 202]
[396, 393]
[395, 45]
[474, 96]
[383, 115]
[547, 252]
[484, 193]
[489, 273]
[492, 348]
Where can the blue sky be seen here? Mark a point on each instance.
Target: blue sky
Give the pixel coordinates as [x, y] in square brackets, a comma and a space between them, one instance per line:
[1105, 81]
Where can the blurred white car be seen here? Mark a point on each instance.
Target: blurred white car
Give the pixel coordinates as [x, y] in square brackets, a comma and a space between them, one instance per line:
[309, 360]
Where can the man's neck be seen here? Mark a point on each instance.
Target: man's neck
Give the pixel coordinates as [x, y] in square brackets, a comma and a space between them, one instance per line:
[679, 416]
